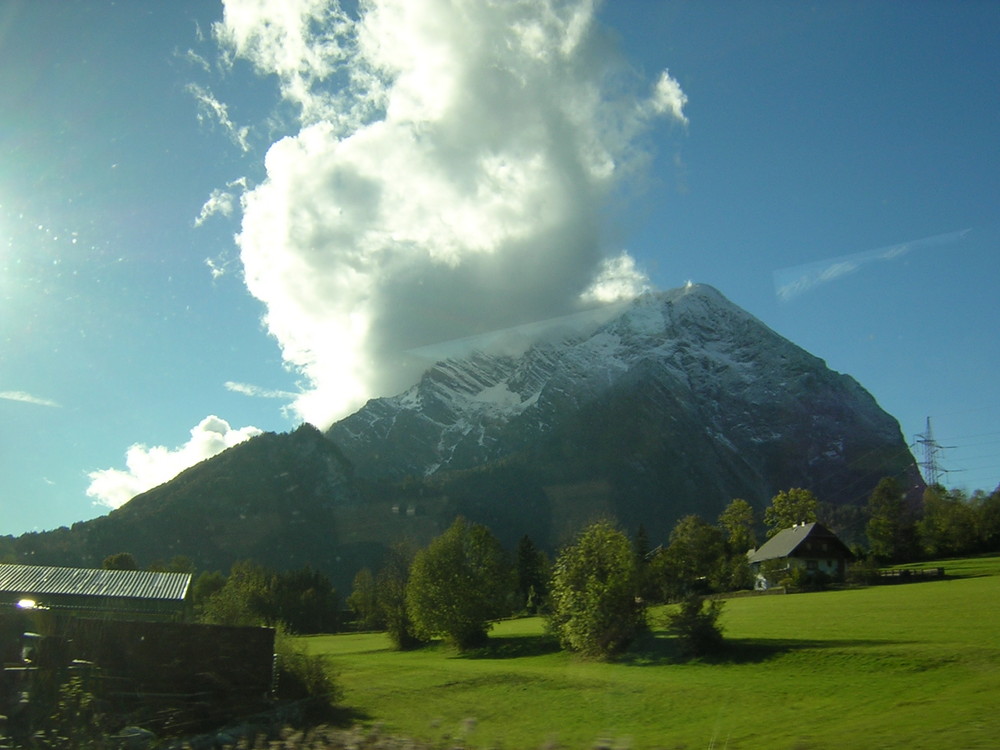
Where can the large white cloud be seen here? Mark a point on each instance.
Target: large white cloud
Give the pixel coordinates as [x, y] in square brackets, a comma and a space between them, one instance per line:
[150, 466]
[448, 176]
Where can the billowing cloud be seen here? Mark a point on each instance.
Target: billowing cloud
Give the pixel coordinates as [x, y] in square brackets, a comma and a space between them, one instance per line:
[448, 177]
[150, 466]
[27, 398]
[617, 279]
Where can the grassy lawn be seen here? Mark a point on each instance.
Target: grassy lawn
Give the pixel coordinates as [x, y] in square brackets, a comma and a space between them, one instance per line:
[910, 666]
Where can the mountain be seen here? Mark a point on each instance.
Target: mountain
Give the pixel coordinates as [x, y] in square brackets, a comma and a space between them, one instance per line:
[678, 403]
[273, 499]
[675, 406]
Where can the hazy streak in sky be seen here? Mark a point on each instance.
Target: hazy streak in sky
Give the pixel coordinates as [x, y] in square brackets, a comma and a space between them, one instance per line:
[27, 398]
[791, 282]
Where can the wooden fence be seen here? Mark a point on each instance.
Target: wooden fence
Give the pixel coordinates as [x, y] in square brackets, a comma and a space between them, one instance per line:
[171, 675]
[908, 575]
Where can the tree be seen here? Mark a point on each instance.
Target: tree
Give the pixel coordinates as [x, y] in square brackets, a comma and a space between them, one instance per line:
[948, 526]
[988, 520]
[739, 527]
[738, 524]
[390, 593]
[459, 585]
[120, 561]
[532, 572]
[885, 527]
[788, 508]
[177, 564]
[363, 601]
[243, 598]
[303, 601]
[695, 557]
[650, 586]
[595, 610]
[205, 585]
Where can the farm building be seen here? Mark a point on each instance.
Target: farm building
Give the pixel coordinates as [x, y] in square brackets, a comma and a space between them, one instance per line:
[808, 546]
[127, 634]
[124, 594]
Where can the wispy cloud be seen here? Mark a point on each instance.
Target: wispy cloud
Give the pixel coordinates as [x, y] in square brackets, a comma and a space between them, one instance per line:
[452, 164]
[792, 282]
[212, 110]
[27, 398]
[257, 392]
[150, 466]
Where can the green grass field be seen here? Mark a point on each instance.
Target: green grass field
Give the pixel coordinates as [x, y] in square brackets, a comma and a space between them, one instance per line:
[904, 666]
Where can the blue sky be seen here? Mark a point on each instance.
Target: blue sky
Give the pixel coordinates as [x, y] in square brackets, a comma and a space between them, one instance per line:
[847, 149]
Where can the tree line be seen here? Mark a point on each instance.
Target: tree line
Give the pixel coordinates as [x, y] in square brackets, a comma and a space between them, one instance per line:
[595, 594]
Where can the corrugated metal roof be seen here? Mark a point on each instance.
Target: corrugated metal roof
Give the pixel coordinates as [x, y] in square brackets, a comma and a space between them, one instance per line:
[127, 584]
[786, 541]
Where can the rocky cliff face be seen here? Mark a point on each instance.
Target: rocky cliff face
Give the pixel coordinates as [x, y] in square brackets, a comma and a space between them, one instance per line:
[677, 405]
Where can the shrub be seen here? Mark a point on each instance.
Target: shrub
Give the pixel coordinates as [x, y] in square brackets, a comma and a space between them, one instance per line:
[801, 579]
[864, 571]
[696, 627]
[303, 676]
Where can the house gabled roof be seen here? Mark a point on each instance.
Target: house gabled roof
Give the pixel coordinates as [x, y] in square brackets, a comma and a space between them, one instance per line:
[793, 543]
[27, 580]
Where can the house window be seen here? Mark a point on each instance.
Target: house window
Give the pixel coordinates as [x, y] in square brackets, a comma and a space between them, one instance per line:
[812, 564]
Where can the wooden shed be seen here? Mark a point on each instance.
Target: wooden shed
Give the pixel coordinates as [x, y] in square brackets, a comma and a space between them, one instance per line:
[89, 592]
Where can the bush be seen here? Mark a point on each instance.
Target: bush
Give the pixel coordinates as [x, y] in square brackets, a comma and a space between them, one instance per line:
[696, 627]
[302, 676]
[864, 572]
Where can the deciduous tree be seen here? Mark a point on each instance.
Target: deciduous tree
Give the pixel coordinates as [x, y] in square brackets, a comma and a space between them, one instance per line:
[788, 508]
[988, 520]
[532, 571]
[363, 601]
[459, 585]
[243, 598]
[595, 610]
[738, 523]
[948, 526]
[695, 558]
[885, 526]
[302, 601]
[120, 561]
[390, 591]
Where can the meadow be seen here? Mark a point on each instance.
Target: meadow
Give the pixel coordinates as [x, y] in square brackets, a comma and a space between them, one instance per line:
[913, 665]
